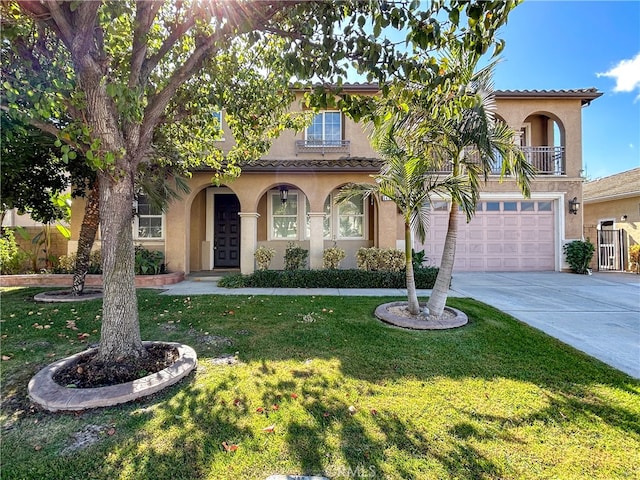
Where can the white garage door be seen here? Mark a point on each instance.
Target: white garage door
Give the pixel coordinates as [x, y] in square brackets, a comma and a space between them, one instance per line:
[504, 235]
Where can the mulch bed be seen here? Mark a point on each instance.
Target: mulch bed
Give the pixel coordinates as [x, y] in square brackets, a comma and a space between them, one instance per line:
[87, 372]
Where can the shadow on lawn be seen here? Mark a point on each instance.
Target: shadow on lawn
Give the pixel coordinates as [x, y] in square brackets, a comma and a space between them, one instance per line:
[324, 436]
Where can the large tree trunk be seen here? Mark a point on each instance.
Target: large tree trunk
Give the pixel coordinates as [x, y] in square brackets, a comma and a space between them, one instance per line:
[88, 231]
[120, 335]
[440, 292]
[412, 296]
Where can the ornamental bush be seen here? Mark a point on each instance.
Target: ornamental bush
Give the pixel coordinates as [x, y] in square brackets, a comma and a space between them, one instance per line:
[295, 257]
[331, 257]
[380, 259]
[263, 256]
[579, 254]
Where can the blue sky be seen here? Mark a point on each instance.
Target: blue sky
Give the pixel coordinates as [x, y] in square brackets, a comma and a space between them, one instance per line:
[579, 44]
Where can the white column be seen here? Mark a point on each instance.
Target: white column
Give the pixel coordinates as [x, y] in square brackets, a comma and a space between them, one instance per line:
[316, 240]
[248, 241]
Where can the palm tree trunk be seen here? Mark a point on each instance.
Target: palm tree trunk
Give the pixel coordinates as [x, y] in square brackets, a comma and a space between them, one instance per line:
[412, 296]
[440, 292]
[88, 231]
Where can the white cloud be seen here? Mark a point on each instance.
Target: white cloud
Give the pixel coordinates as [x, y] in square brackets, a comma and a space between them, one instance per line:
[627, 75]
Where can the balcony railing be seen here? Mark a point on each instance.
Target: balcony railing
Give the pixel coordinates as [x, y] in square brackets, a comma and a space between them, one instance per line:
[323, 146]
[547, 160]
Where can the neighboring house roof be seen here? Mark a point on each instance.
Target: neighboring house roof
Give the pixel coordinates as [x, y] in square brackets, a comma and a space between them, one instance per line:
[621, 185]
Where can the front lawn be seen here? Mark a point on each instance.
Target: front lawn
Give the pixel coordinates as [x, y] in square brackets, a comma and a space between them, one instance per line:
[321, 387]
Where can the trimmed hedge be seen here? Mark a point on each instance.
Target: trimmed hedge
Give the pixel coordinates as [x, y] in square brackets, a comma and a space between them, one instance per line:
[425, 278]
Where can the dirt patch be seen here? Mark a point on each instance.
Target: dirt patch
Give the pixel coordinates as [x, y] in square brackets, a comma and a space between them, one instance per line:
[87, 372]
[86, 437]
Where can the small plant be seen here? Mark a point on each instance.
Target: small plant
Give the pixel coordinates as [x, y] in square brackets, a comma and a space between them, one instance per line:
[419, 259]
[263, 256]
[579, 254]
[634, 256]
[148, 262]
[331, 257]
[295, 257]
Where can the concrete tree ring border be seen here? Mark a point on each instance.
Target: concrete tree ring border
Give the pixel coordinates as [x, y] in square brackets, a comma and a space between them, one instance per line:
[44, 391]
[58, 296]
[458, 319]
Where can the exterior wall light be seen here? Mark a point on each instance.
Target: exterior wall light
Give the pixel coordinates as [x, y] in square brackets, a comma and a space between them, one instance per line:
[284, 194]
[574, 206]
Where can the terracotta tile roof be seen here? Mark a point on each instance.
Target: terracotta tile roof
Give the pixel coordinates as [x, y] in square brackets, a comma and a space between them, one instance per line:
[326, 165]
[586, 94]
[362, 164]
[623, 184]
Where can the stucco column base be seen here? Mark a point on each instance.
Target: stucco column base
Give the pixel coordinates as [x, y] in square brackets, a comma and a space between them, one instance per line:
[316, 240]
[248, 241]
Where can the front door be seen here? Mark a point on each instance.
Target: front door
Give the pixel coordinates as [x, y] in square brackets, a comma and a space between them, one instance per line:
[226, 234]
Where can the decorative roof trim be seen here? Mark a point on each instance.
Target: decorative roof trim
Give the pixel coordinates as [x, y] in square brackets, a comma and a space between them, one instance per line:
[585, 94]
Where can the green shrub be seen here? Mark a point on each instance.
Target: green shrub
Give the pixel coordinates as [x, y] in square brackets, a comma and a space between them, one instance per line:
[12, 257]
[67, 263]
[331, 257]
[295, 257]
[634, 256]
[579, 254]
[425, 278]
[263, 256]
[380, 259]
[148, 262]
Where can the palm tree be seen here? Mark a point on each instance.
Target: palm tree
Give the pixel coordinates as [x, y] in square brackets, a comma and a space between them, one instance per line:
[474, 144]
[408, 181]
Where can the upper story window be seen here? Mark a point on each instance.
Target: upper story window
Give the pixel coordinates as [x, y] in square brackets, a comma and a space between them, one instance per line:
[325, 129]
[148, 221]
[218, 116]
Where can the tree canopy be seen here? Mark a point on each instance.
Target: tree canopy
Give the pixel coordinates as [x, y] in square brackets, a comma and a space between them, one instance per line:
[130, 76]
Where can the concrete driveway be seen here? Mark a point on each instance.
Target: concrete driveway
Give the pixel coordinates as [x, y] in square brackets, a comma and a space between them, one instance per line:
[598, 314]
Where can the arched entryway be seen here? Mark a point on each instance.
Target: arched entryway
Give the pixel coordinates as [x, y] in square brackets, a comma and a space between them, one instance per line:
[215, 230]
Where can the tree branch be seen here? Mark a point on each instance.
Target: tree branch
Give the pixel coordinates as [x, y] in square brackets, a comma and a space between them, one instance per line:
[84, 21]
[62, 22]
[145, 13]
[152, 62]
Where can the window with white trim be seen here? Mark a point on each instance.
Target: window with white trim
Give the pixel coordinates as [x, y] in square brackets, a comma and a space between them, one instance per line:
[148, 220]
[284, 217]
[351, 216]
[325, 129]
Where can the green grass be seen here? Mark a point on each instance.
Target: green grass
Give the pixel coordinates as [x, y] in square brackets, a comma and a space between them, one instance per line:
[492, 400]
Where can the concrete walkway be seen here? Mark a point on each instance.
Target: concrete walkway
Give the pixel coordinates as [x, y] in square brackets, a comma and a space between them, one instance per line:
[598, 314]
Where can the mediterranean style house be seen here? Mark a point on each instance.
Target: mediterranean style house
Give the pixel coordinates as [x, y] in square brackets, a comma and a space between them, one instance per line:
[288, 196]
[612, 218]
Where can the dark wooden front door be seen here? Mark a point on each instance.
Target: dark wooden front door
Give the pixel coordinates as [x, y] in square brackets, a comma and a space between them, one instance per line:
[226, 232]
